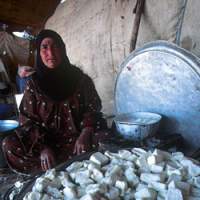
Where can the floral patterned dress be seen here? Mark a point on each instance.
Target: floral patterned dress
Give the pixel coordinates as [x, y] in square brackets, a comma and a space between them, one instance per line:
[57, 125]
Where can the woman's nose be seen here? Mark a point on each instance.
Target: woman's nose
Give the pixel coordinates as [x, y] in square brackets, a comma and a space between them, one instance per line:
[50, 51]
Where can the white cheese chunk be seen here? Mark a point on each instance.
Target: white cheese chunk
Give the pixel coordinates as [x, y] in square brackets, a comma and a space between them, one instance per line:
[109, 180]
[88, 197]
[97, 175]
[177, 156]
[41, 184]
[19, 184]
[195, 192]
[139, 151]
[47, 197]
[115, 170]
[124, 154]
[122, 185]
[196, 181]
[95, 188]
[80, 191]
[93, 166]
[86, 163]
[172, 170]
[111, 155]
[162, 193]
[66, 180]
[183, 186]
[51, 174]
[164, 154]
[129, 194]
[113, 193]
[158, 168]
[157, 186]
[69, 193]
[99, 158]
[193, 169]
[83, 177]
[174, 194]
[146, 193]
[74, 166]
[33, 196]
[141, 186]
[174, 177]
[54, 192]
[141, 162]
[148, 177]
[131, 177]
[160, 197]
[154, 159]
[94, 196]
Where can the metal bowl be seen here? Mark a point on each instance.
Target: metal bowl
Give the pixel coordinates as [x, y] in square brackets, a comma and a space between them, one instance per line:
[7, 126]
[138, 125]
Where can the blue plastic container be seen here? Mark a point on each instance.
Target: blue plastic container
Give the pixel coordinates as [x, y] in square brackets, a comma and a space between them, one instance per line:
[7, 127]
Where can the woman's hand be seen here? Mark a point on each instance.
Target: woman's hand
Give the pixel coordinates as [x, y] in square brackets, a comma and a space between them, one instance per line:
[83, 143]
[47, 159]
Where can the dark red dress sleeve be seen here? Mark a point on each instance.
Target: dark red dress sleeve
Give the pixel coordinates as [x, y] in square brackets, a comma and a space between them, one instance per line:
[31, 131]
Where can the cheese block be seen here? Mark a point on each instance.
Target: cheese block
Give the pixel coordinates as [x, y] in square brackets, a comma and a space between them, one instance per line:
[149, 177]
[154, 159]
[99, 158]
[174, 194]
[146, 193]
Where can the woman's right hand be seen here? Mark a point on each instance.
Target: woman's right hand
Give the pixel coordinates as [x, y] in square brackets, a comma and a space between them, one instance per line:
[47, 159]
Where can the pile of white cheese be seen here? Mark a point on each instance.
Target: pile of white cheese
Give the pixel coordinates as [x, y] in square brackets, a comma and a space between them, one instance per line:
[127, 175]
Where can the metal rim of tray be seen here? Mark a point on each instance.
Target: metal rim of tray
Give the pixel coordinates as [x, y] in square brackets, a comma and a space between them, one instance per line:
[163, 46]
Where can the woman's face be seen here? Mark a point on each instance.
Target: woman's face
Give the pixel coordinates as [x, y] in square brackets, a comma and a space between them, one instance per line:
[50, 53]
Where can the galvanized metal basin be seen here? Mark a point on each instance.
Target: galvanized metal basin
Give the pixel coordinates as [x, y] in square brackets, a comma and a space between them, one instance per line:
[138, 125]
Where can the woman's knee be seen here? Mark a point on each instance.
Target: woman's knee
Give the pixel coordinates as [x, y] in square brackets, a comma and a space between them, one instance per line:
[10, 142]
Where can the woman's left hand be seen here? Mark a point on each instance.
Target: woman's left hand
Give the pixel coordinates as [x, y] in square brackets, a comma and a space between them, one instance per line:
[83, 143]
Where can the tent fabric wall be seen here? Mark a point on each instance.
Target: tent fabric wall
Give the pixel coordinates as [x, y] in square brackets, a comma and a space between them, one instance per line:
[190, 39]
[13, 51]
[16, 48]
[97, 34]
[3, 73]
[161, 21]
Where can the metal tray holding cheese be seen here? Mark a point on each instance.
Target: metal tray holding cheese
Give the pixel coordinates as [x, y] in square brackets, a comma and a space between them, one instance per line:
[30, 181]
[127, 174]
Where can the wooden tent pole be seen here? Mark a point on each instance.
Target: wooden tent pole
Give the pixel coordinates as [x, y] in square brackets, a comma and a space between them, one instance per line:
[138, 10]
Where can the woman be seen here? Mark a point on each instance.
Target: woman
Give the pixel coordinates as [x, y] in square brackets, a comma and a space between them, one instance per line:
[59, 114]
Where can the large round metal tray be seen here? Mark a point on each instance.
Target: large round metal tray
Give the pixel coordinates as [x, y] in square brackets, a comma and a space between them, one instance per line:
[162, 78]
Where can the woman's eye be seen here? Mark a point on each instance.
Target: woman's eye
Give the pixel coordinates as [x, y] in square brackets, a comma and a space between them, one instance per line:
[44, 46]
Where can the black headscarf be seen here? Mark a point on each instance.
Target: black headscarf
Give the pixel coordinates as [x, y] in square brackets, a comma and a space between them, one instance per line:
[60, 82]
